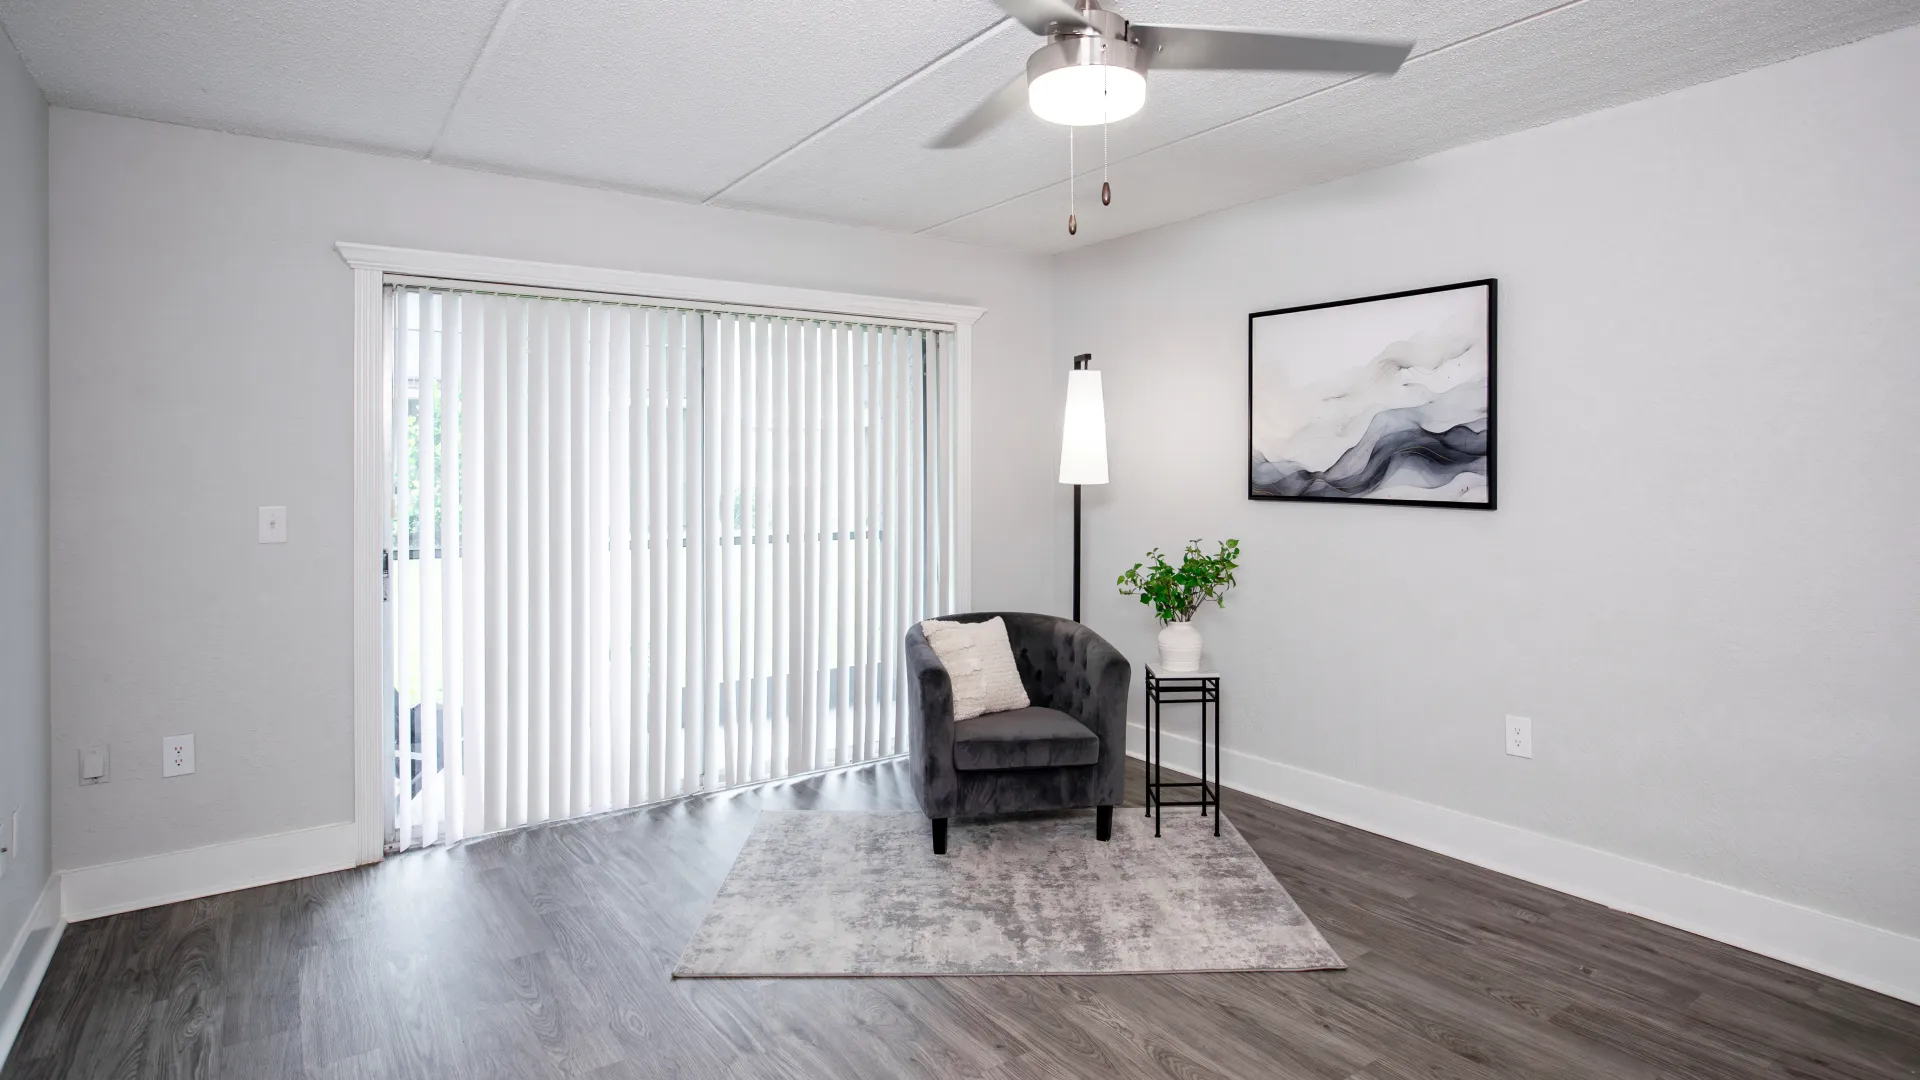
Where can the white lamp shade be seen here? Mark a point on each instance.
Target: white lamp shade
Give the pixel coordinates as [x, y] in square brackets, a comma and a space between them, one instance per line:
[1083, 431]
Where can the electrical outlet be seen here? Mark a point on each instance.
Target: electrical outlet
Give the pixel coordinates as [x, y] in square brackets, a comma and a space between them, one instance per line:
[176, 755]
[93, 765]
[1519, 736]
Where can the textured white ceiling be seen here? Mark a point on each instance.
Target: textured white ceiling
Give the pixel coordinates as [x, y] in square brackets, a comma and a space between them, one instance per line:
[378, 74]
[1579, 58]
[682, 99]
[819, 108]
[873, 167]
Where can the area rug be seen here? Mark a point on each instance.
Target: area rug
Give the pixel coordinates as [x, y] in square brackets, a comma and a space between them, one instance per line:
[824, 893]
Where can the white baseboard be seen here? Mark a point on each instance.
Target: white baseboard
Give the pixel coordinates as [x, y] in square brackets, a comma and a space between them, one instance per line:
[1868, 956]
[26, 962]
[111, 888]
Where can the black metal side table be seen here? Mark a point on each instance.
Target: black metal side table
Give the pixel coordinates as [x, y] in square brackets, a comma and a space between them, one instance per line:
[1200, 688]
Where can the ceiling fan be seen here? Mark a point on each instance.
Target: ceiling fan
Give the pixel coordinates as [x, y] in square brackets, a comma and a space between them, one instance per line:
[1093, 68]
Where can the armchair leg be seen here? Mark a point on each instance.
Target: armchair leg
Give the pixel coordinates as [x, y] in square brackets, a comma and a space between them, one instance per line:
[1103, 823]
[939, 836]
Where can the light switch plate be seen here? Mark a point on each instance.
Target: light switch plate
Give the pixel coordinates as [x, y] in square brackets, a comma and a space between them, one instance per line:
[93, 765]
[273, 524]
[176, 755]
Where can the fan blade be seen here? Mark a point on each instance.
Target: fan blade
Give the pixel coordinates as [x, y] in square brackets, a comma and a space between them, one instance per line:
[1040, 16]
[1206, 48]
[985, 116]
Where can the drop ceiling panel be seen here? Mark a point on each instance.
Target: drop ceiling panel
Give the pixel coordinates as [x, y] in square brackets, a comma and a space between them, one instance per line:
[681, 99]
[821, 108]
[874, 169]
[378, 74]
[1585, 57]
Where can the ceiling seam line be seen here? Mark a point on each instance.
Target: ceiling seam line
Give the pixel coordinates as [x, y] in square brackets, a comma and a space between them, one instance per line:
[500, 22]
[871, 102]
[1289, 103]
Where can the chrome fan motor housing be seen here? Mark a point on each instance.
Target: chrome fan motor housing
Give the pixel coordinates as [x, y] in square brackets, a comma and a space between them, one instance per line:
[1106, 44]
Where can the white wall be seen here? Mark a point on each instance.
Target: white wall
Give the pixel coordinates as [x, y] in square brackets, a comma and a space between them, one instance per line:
[1701, 583]
[202, 354]
[23, 493]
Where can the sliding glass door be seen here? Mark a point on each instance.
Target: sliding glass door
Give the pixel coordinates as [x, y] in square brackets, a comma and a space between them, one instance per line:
[640, 551]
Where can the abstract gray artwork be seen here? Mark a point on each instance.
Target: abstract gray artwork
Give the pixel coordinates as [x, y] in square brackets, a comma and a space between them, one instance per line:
[843, 893]
[1381, 399]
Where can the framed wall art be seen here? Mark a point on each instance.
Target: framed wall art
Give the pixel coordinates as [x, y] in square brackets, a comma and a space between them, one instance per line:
[1382, 399]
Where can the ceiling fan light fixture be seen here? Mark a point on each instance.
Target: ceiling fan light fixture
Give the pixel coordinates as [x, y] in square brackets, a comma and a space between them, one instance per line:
[1084, 79]
[1081, 96]
[1118, 51]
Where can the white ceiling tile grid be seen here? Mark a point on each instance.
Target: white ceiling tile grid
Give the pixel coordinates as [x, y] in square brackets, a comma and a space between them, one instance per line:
[1580, 58]
[821, 108]
[374, 74]
[875, 169]
[684, 99]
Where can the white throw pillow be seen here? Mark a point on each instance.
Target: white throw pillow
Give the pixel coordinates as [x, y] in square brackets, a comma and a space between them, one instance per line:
[979, 662]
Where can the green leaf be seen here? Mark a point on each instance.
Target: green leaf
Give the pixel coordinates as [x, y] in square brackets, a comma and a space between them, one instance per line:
[1176, 593]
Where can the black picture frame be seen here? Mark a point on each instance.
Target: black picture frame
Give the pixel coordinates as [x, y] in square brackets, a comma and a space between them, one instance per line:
[1492, 286]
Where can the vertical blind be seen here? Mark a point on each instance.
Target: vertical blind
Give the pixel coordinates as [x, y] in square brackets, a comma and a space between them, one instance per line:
[638, 551]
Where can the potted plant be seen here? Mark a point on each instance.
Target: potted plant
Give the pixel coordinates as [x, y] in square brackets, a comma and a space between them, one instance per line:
[1176, 593]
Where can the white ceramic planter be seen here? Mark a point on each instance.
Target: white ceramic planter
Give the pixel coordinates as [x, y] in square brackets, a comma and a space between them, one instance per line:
[1180, 647]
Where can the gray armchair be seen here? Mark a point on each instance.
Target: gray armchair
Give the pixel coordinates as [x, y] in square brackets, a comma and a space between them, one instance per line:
[1067, 750]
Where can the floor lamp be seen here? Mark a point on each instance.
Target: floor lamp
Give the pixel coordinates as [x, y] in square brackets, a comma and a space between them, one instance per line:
[1083, 447]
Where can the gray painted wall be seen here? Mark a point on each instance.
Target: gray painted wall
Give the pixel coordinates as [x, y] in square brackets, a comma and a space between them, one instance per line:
[1701, 583]
[203, 353]
[23, 487]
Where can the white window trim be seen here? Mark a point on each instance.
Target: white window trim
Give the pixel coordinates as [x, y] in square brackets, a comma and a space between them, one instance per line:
[373, 264]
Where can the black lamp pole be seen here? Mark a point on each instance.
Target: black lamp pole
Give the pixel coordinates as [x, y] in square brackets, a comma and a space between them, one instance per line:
[1084, 360]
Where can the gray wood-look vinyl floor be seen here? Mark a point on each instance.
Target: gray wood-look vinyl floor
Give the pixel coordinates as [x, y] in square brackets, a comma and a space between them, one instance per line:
[545, 953]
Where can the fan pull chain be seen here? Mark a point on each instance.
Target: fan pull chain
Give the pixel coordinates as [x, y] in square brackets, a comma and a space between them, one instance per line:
[1106, 189]
[1073, 222]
